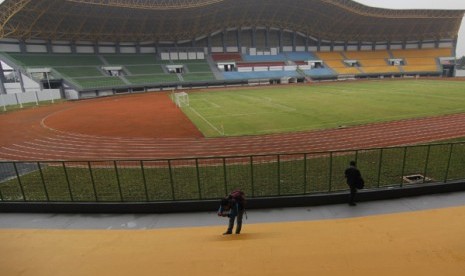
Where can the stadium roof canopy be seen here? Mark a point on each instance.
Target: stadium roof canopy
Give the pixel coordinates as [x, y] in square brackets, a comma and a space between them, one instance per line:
[181, 20]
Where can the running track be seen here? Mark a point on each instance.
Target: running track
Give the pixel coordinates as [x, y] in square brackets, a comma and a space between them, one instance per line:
[100, 129]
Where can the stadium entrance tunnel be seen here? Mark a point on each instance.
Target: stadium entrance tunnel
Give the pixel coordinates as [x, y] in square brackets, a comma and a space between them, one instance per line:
[287, 80]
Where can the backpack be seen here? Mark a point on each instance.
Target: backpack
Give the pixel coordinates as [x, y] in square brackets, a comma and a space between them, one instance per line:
[239, 197]
[360, 184]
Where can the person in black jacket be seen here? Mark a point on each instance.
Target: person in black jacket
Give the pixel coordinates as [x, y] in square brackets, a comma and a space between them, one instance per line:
[233, 206]
[354, 180]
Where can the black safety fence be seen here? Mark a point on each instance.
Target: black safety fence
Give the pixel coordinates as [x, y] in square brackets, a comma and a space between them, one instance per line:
[213, 177]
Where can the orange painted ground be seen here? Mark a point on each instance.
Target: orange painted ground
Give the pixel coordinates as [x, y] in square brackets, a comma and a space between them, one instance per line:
[145, 115]
[418, 243]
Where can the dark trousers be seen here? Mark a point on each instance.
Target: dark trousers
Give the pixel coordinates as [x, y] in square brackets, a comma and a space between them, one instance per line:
[353, 192]
[239, 222]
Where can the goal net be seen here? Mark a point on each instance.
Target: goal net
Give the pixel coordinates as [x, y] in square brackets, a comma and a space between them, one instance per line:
[181, 99]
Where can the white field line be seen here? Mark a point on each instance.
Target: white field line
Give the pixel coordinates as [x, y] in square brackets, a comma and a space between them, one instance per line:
[210, 124]
[240, 114]
[212, 103]
[267, 102]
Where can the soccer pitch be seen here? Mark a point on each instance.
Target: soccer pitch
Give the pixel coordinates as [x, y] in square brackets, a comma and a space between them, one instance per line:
[282, 109]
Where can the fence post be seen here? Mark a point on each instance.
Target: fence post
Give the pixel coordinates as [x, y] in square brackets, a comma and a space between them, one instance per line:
[92, 179]
[171, 180]
[251, 175]
[118, 181]
[279, 174]
[198, 177]
[403, 168]
[19, 181]
[305, 173]
[43, 181]
[67, 180]
[448, 162]
[145, 180]
[330, 171]
[380, 166]
[426, 163]
[225, 181]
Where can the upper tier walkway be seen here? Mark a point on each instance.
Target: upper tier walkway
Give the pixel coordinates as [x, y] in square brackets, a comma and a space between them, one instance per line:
[410, 236]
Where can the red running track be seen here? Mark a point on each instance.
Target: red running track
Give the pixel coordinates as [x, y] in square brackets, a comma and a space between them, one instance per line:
[149, 126]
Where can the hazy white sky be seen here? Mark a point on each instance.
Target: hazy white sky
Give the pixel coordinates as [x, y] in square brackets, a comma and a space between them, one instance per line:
[420, 4]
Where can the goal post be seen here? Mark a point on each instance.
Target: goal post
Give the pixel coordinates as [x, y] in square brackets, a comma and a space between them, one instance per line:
[181, 99]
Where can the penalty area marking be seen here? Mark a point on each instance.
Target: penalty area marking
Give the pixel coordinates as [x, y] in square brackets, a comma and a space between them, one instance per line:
[221, 132]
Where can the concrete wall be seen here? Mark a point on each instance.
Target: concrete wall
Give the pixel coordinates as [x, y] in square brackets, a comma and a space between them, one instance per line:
[212, 205]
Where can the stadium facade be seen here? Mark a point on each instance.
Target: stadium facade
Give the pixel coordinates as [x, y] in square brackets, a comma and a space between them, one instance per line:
[174, 30]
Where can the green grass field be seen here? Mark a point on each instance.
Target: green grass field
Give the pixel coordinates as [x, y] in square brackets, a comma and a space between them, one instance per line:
[296, 108]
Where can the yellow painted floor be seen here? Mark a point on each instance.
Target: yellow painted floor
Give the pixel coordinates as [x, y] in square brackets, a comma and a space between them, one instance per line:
[422, 243]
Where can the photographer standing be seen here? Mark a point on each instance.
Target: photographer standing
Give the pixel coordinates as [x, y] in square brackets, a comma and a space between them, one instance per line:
[354, 180]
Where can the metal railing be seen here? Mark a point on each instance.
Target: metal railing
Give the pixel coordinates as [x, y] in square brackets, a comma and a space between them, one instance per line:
[213, 177]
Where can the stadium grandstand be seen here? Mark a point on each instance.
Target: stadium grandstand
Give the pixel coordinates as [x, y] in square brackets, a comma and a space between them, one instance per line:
[89, 48]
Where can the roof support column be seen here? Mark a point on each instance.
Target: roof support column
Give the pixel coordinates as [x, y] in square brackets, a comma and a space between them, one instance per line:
[254, 37]
[118, 47]
[280, 40]
[388, 45]
[373, 46]
[21, 81]
[345, 46]
[267, 37]
[96, 49]
[359, 46]
[223, 40]
[2, 80]
[138, 47]
[294, 38]
[2, 87]
[306, 43]
[454, 46]
[404, 45]
[209, 43]
[239, 43]
[22, 47]
[73, 47]
[49, 47]
[331, 47]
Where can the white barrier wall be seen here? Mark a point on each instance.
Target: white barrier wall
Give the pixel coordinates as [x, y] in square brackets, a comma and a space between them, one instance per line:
[29, 97]
[244, 69]
[30, 48]
[62, 49]
[127, 50]
[147, 50]
[85, 49]
[366, 47]
[5, 47]
[381, 47]
[460, 73]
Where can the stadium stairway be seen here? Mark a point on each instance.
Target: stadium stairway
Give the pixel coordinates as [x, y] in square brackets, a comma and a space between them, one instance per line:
[216, 72]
